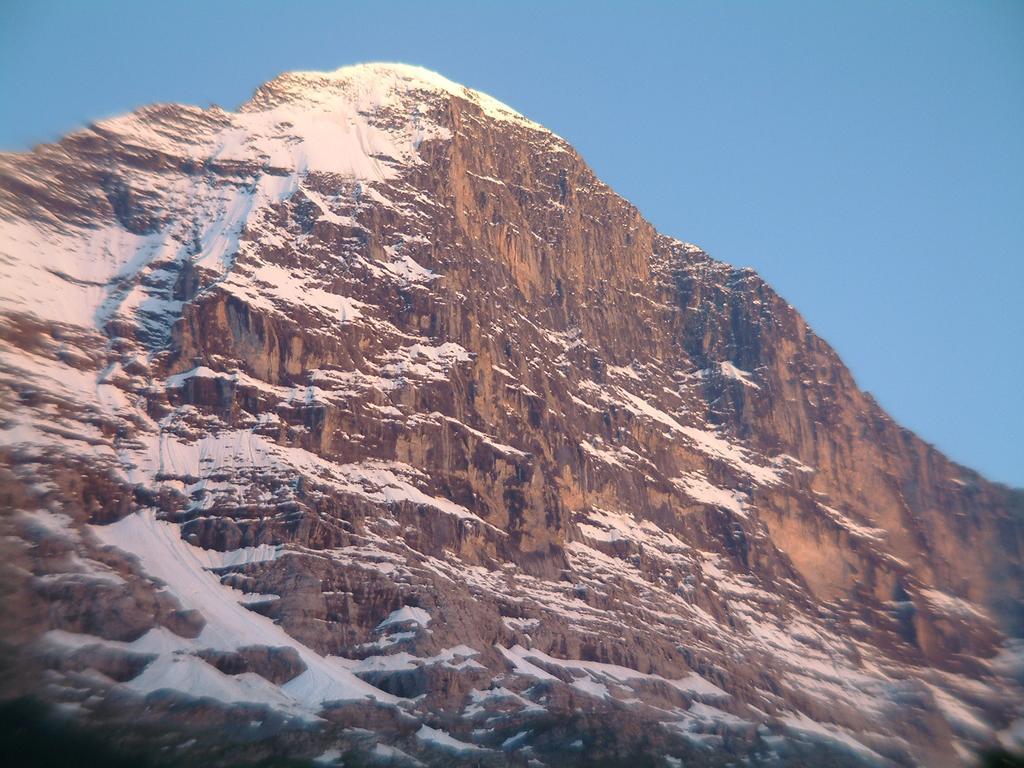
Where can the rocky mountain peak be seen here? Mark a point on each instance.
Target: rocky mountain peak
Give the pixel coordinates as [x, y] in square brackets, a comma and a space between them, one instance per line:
[369, 415]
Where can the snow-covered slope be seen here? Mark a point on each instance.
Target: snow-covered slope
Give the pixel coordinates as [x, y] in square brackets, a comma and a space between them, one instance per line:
[364, 421]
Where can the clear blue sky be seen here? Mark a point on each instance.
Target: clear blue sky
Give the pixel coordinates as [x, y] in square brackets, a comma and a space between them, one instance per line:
[866, 157]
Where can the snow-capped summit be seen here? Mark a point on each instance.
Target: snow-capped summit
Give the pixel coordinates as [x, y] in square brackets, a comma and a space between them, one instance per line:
[374, 86]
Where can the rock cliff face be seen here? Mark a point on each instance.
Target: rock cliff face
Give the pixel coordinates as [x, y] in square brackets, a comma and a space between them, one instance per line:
[365, 423]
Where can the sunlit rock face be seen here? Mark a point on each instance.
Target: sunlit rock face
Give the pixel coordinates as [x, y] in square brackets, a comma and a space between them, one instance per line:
[366, 424]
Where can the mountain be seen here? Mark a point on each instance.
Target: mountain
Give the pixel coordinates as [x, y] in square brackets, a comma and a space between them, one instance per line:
[366, 424]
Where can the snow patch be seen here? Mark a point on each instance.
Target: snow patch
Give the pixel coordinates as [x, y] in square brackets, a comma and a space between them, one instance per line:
[407, 614]
[444, 741]
[697, 487]
[183, 569]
